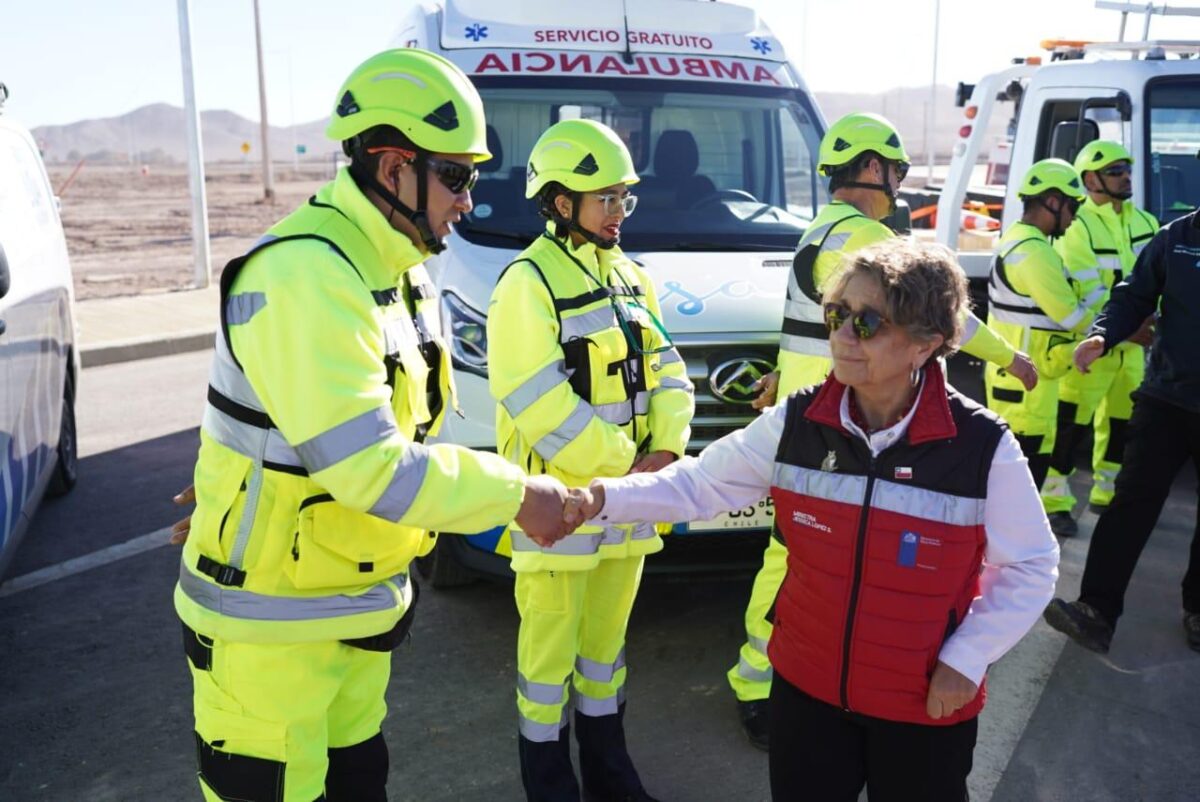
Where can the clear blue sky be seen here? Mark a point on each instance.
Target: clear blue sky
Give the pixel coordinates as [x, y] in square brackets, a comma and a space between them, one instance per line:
[67, 60]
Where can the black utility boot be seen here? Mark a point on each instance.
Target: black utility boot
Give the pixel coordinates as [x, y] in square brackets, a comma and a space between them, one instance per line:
[604, 764]
[753, 715]
[1062, 524]
[1191, 625]
[546, 769]
[1081, 622]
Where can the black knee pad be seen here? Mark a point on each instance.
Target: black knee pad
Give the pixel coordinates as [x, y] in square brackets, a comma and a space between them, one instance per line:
[232, 776]
[358, 773]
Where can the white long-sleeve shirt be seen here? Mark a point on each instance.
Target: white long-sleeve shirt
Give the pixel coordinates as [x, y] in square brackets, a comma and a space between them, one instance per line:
[1020, 564]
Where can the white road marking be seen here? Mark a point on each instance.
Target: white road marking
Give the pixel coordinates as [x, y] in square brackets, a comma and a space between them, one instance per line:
[77, 565]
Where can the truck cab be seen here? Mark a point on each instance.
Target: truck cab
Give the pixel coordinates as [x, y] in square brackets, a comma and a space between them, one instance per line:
[724, 135]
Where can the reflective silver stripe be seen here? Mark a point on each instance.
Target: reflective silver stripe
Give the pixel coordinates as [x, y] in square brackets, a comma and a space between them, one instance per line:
[588, 323]
[835, 242]
[669, 357]
[672, 383]
[243, 306]
[573, 545]
[399, 332]
[1056, 486]
[244, 604]
[1139, 246]
[929, 505]
[1072, 320]
[1108, 262]
[555, 441]
[347, 439]
[541, 733]
[597, 671]
[795, 344]
[820, 484]
[406, 482]
[1030, 320]
[228, 379]
[1015, 258]
[263, 240]
[1095, 296]
[757, 644]
[618, 412]
[749, 672]
[969, 328]
[812, 234]
[591, 706]
[247, 440]
[1086, 275]
[534, 388]
[541, 693]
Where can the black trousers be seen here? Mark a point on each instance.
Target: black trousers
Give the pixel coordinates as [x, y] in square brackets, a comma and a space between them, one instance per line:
[822, 753]
[1161, 438]
[1039, 464]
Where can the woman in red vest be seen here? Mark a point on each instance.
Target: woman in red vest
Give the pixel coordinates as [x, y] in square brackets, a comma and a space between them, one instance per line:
[918, 552]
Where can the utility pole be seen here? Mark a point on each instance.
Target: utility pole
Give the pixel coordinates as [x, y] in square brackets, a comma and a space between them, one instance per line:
[931, 122]
[195, 151]
[268, 177]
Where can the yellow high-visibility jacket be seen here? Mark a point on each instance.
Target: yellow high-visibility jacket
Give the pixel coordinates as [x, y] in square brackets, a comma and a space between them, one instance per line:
[313, 489]
[574, 398]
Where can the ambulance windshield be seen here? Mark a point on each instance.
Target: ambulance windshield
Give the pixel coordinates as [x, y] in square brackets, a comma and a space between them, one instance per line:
[722, 167]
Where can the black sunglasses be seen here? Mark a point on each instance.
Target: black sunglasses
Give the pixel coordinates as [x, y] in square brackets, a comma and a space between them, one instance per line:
[901, 170]
[867, 322]
[1116, 170]
[454, 176]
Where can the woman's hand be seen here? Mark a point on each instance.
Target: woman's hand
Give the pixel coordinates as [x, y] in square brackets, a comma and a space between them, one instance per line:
[948, 691]
[768, 388]
[182, 528]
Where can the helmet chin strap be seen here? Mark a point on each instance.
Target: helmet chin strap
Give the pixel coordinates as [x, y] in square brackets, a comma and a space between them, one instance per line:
[572, 224]
[885, 187]
[418, 217]
[1059, 228]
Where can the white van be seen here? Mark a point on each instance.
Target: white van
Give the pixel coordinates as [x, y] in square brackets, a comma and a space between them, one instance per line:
[724, 135]
[39, 363]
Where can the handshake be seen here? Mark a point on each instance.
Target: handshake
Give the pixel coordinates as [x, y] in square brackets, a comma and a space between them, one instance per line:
[549, 512]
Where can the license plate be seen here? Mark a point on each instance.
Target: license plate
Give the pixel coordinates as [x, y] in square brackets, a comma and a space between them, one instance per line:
[758, 516]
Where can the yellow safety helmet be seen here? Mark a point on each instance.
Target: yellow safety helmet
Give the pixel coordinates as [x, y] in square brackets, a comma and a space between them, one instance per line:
[858, 133]
[1051, 174]
[422, 95]
[582, 155]
[1099, 153]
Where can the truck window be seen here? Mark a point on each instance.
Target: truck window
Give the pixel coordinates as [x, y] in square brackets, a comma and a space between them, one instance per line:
[721, 167]
[1173, 187]
[1059, 136]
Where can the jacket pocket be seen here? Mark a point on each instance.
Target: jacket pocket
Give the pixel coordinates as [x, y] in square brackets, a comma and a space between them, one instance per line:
[336, 547]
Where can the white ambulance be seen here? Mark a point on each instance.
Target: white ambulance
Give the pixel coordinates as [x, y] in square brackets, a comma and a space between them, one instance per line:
[723, 133]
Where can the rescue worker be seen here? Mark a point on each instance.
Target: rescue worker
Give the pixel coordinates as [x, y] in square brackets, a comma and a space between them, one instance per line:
[864, 157]
[1034, 305]
[1099, 249]
[313, 489]
[587, 385]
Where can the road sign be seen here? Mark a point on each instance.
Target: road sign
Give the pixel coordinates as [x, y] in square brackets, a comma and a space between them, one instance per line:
[245, 148]
[302, 149]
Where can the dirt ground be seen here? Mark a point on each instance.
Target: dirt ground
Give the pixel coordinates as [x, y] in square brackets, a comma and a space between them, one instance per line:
[129, 232]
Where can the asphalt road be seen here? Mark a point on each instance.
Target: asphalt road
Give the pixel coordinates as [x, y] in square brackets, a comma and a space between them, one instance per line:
[95, 699]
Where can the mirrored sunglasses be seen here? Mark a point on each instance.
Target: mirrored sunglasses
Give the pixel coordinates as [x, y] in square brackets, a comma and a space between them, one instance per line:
[866, 322]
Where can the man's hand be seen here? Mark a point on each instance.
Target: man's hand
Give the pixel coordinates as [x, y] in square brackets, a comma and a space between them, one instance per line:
[948, 691]
[1088, 352]
[1024, 370]
[768, 387]
[652, 462]
[542, 514]
[1144, 336]
[181, 529]
[583, 504]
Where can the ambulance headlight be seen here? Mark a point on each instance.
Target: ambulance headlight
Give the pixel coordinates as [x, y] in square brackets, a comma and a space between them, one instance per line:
[467, 334]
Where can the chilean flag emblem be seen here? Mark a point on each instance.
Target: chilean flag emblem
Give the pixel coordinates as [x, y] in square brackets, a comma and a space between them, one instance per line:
[903, 473]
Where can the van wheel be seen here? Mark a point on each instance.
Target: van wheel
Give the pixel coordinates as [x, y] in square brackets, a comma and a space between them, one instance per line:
[66, 471]
[442, 569]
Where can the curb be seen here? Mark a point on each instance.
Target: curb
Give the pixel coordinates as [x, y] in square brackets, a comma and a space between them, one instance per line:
[145, 348]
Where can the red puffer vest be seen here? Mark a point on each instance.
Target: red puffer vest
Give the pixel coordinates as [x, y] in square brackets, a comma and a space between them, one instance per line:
[884, 553]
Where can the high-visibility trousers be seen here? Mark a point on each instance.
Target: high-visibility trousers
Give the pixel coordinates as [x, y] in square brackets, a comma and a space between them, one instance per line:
[572, 633]
[1102, 398]
[750, 678]
[269, 717]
